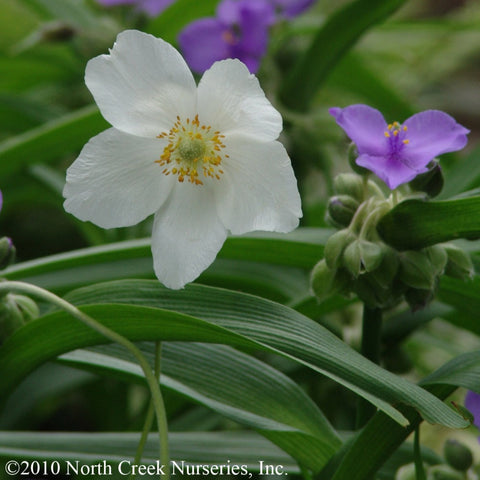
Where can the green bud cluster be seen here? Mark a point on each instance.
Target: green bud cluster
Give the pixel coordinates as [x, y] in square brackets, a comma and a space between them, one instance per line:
[15, 311]
[356, 260]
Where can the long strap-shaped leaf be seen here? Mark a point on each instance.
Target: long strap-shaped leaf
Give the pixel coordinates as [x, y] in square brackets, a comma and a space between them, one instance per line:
[416, 224]
[381, 431]
[65, 271]
[216, 316]
[331, 42]
[235, 385]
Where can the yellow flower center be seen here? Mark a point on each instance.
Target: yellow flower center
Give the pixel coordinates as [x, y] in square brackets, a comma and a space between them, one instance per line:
[193, 151]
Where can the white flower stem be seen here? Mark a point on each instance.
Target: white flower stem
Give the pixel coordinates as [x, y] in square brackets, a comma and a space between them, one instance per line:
[157, 399]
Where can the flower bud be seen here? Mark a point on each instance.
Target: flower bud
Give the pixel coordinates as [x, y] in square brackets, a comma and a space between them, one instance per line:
[15, 310]
[388, 268]
[349, 184]
[7, 252]
[362, 256]
[438, 257]
[341, 210]
[443, 472]
[372, 293]
[418, 298]
[416, 270]
[457, 455]
[459, 263]
[335, 246]
[430, 182]
[326, 281]
[352, 160]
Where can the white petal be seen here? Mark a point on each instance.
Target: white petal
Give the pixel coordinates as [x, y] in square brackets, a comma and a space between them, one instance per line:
[115, 181]
[187, 235]
[258, 190]
[142, 85]
[231, 100]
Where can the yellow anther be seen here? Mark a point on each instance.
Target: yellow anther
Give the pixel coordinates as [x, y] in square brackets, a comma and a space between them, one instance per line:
[406, 142]
[191, 145]
[387, 134]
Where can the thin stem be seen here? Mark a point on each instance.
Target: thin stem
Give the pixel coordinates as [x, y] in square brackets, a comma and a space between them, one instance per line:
[417, 454]
[371, 332]
[147, 426]
[26, 288]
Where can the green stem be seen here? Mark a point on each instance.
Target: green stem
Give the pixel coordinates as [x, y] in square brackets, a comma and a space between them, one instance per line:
[417, 454]
[28, 289]
[147, 426]
[371, 331]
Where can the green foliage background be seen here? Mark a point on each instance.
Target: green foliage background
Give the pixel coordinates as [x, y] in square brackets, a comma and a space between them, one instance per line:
[254, 367]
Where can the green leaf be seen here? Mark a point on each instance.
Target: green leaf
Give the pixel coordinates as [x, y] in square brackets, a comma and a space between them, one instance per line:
[62, 272]
[179, 14]
[464, 297]
[50, 141]
[332, 41]
[461, 371]
[462, 175]
[235, 385]
[240, 447]
[387, 436]
[416, 224]
[219, 316]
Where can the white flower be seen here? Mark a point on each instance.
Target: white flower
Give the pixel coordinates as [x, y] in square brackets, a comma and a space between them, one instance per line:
[204, 160]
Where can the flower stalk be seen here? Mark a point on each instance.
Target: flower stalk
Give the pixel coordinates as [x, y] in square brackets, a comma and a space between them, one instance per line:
[153, 384]
[370, 348]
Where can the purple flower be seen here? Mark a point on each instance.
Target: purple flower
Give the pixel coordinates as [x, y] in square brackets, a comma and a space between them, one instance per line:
[152, 7]
[291, 8]
[397, 153]
[472, 403]
[239, 30]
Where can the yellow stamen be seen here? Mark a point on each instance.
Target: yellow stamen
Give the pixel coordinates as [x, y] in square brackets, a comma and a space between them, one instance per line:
[191, 144]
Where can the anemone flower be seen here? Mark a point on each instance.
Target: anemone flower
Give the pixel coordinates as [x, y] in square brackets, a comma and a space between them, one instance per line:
[204, 160]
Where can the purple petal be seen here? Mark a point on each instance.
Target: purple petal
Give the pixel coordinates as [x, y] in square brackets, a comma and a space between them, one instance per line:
[230, 11]
[365, 126]
[154, 7]
[392, 171]
[472, 403]
[291, 8]
[430, 134]
[204, 42]
[254, 30]
[111, 3]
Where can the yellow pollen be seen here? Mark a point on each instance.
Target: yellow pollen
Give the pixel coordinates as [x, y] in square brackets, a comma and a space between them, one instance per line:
[193, 151]
[406, 142]
[387, 134]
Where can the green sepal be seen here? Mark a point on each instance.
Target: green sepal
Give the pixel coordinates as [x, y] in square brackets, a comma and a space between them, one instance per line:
[438, 257]
[336, 245]
[326, 281]
[430, 182]
[416, 270]
[388, 268]
[349, 184]
[362, 256]
[459, 263]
